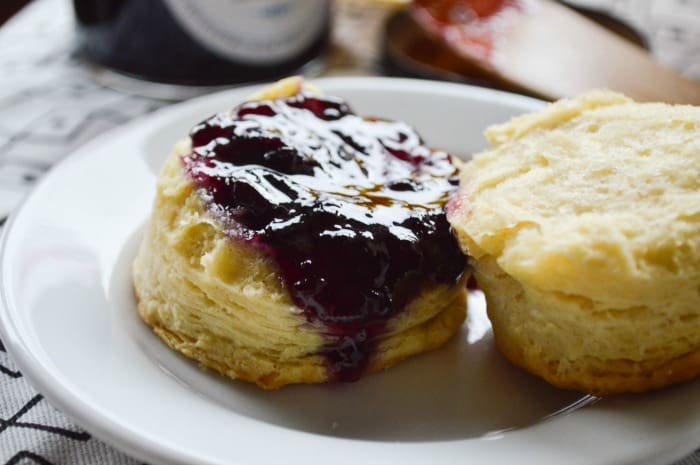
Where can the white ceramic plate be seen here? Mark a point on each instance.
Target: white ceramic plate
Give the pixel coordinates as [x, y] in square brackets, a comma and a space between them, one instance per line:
[68, 318]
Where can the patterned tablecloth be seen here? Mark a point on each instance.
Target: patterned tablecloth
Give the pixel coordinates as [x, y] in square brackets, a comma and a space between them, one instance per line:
[50, 104]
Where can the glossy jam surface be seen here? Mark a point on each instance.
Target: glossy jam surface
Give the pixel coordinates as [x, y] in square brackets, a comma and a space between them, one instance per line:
[350, 209]
[473, 27]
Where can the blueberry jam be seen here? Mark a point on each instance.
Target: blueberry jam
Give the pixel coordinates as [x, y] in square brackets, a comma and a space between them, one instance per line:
[350, 209]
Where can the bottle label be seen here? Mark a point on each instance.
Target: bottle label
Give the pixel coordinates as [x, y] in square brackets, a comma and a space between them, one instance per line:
[262, 32]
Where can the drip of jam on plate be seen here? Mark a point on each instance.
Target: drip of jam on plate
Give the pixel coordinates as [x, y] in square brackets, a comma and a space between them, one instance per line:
[350, 209]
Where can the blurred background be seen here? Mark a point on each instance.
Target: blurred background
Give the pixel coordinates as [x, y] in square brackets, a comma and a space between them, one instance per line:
[212, 43]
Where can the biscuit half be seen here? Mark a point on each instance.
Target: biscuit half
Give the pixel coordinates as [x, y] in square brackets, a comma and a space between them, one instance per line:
[583, 222]
[221, 302]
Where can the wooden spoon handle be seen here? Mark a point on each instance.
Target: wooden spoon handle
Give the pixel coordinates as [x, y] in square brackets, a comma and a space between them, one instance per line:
[556, 52]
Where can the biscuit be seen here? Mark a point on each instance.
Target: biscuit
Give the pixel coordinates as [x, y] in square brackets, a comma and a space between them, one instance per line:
[583, 222]
[214, 288]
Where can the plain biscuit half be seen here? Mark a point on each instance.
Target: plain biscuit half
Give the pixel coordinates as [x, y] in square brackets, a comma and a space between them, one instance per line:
[583, 222]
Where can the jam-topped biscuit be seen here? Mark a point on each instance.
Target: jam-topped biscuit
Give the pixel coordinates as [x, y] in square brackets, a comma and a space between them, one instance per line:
[293, 241]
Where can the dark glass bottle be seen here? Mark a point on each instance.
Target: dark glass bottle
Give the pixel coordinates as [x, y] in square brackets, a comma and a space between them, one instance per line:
[203, 42]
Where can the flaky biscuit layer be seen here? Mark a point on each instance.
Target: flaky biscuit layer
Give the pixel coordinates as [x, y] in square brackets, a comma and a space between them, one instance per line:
[221, 302]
